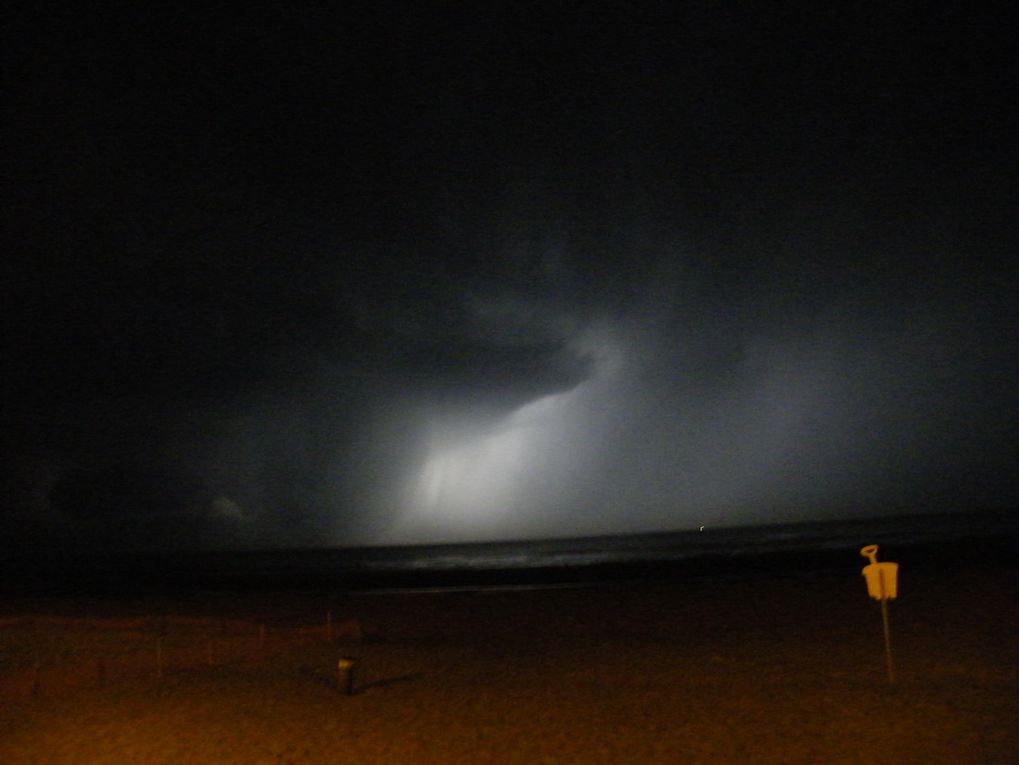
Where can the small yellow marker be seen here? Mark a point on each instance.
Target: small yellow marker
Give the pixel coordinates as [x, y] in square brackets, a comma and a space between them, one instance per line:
[345, 676]
[882, 585]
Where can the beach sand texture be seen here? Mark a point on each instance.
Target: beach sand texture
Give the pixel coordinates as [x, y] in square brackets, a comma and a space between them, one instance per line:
[778, 670]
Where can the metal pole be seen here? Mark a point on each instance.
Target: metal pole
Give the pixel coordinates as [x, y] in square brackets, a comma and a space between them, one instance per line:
[888, 631]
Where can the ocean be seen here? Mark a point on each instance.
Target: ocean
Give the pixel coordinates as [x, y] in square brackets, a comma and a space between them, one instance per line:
[799, 549]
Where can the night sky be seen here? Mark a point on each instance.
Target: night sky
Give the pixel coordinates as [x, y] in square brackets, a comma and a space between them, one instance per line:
[385, 272]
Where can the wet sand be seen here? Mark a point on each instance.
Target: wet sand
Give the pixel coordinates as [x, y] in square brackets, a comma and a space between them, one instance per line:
[779, 670]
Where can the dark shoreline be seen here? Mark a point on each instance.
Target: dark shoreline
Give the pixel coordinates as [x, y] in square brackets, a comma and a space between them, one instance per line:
[339, 570]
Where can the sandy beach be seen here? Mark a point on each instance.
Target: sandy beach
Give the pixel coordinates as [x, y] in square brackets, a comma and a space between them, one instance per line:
[770, 670]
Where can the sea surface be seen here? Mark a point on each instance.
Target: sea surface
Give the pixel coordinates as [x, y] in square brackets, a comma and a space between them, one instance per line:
[800, 549]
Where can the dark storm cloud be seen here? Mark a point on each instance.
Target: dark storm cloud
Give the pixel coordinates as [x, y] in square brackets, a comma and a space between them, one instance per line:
[385, 272]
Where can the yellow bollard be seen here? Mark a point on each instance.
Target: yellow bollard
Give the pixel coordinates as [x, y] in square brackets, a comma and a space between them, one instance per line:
[345, 676]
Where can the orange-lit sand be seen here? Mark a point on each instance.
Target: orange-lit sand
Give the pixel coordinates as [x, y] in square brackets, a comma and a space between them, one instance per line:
[769, 671]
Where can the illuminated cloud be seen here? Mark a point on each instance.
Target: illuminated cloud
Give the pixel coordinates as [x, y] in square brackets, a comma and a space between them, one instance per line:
[506, 476]
[472, 481]
[663, 435]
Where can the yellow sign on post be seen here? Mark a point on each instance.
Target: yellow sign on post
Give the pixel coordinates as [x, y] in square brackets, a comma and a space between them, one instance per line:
[882, 578]
[882, 585]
